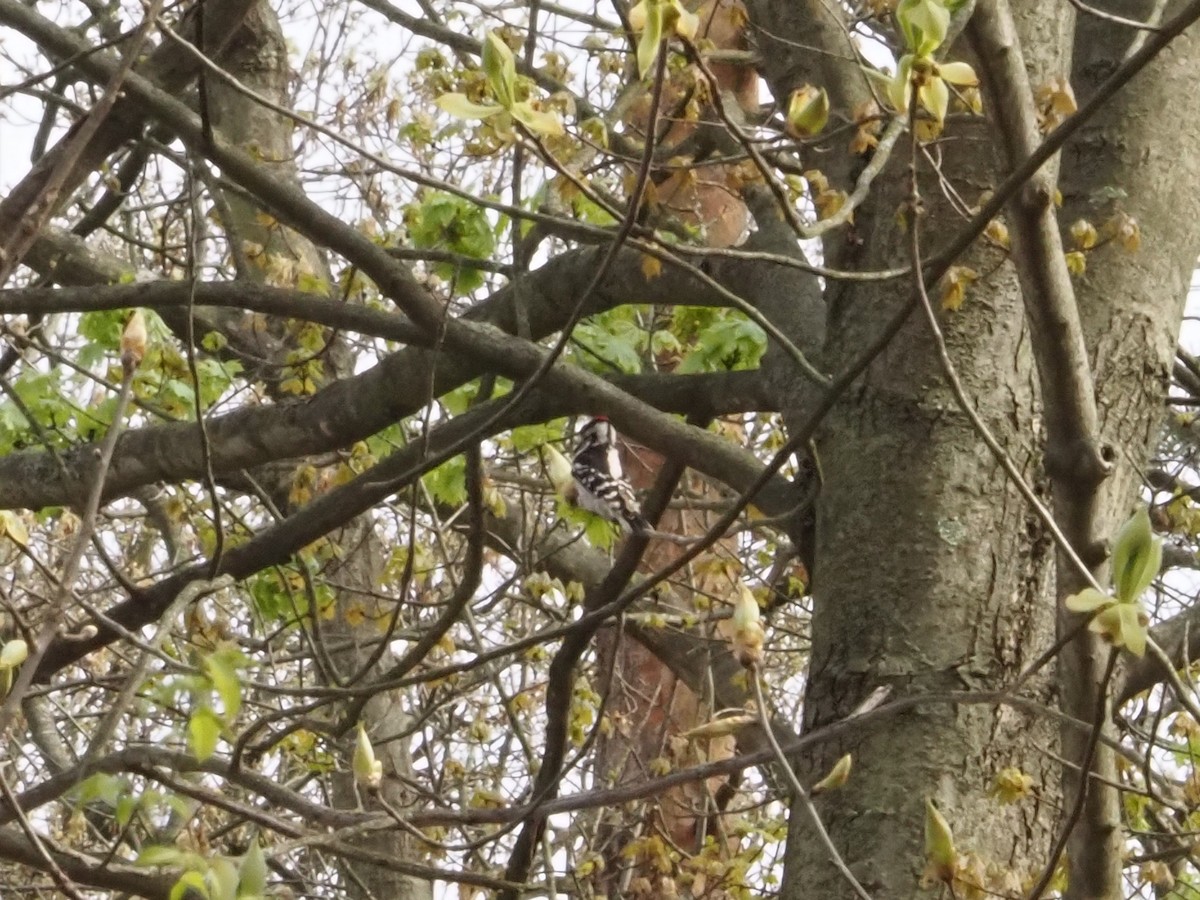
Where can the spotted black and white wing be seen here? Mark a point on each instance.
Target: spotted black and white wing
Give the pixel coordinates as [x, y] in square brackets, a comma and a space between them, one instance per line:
[600, 484]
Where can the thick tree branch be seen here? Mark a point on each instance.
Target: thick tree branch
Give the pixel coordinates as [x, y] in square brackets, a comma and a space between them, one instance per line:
[87, 870]
[159, 295]
[274, 546]
[165, 67]
[353, 408]
[1179, 638]
[1075, 458]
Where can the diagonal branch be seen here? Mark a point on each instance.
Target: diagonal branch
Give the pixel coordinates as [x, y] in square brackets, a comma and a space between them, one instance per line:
[353, 408]
[276, 545]
[69, 164]
[1075, 459]
[1179, 637]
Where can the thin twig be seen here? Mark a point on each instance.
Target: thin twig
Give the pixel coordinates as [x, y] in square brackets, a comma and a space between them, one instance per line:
[1181, 691]
[133, 680]
[87, 522]
[29, 225]
[798, 789]
[206, 455]
[65, 884]
[1085, 765]
[1112, 17]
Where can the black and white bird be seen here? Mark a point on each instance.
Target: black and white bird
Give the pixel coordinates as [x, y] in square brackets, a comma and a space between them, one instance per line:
[599, 481]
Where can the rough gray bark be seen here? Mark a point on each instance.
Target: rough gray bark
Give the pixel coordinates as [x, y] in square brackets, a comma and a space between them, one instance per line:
[1142, 144]
[931, 572]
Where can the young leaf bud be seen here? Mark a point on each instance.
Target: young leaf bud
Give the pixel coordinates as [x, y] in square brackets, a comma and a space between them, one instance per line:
[133, 341]
[13, 653]
[838, 775]
[748, 634]
[808, 111]
[368, 771]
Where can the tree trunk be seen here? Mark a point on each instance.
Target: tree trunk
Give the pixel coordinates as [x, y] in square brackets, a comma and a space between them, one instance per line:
[931, 573]
[956, 592]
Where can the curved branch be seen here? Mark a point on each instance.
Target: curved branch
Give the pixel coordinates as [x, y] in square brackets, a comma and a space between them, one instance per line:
[353, 408]
[87, 870]
[273, 546]
[1179, 638]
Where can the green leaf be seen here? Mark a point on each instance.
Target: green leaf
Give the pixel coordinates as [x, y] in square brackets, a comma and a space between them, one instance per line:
[1123, 625]
[935, 97]
[616, 338]
[13, 653]
[204, 730]
[1136, 558]
[271, 599]
[252, 876]
[939, 844]
[595, 131]
[1088, 600]
[442, 221]
[536, 120]
[103, 787]
[526, 437]
[221, 667]
[368, 770]
[501, 69]
[590, 211]
[600, 532]
[684, 23]
[458, 401]
[808, 110]
[459, 106]
[104, 327]
[222, 879]
[899, 87]
[731, 342]
[558, 469]
[448, 482]
[124, 809]
[924, 24]
[1135, 628]
[959, 73]
[189, 881]
[12, 526]
[837, 777]
[160, 855]
[651, 37]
